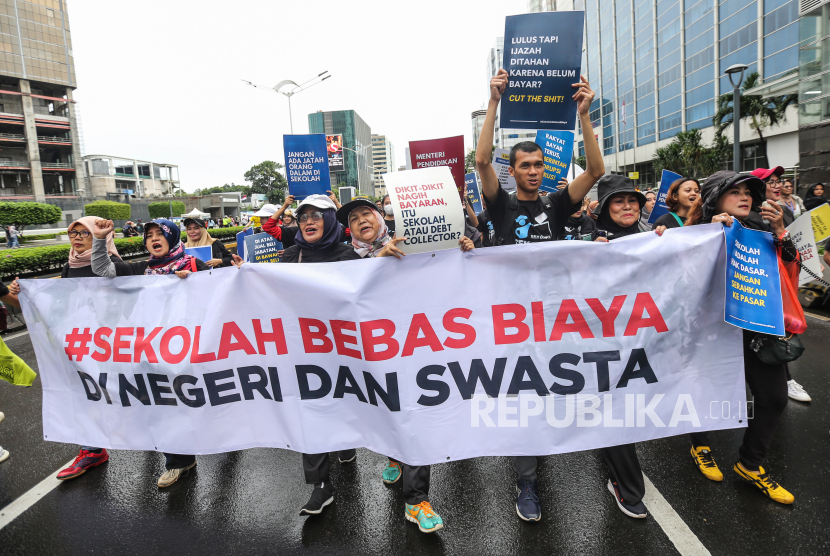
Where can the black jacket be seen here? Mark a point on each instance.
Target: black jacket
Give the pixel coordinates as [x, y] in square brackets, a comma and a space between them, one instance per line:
[330, 255]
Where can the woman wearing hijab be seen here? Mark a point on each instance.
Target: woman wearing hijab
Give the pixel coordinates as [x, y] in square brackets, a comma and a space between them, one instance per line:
[728, 197]
[680, 199]
[814, 197]
[370, 238]
[164, 242]
[80, 266]
[283, 232]
[619, 216]
[198, 236]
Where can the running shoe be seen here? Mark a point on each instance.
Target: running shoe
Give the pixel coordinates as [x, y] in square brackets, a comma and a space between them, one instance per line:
[428, 521]
[347, 456]
[528, 505]
[4, 454]
[85, 461]
[392, 473]
[796, 392]
[702, 457]
[637, 510]
[172, 475]
[321, 496]
[765, 484]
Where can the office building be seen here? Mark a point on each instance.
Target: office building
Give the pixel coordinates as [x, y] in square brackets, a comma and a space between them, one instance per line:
[814, 93]
[383, 161]
[112, 176]
[658, 68]
[358, 171]
[478, 121]
[39, 146]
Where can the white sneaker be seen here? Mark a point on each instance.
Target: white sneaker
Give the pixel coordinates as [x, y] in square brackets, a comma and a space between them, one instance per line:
[172, 475]
[796, 392]
[2, 416]
[4, 454]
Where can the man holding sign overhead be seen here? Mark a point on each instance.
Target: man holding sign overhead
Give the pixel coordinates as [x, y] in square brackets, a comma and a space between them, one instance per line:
[525, 217]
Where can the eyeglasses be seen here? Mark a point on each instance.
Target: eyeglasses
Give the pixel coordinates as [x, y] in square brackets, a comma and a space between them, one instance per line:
[73, 234]
[315, 216]
[774, 182]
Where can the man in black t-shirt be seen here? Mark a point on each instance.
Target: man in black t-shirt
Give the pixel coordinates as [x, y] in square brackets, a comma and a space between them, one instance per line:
[525, 217]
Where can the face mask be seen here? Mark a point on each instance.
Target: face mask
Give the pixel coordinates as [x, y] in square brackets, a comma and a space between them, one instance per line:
[388, 210]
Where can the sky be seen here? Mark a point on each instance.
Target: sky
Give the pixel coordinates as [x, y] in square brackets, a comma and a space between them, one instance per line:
[162, 80]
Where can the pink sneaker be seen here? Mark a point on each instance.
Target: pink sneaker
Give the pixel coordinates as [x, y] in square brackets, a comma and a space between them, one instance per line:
[85, 460]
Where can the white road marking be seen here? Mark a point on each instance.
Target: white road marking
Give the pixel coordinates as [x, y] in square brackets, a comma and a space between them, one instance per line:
[30, 498]
[815, 316]
[6, 338]
[672, 524]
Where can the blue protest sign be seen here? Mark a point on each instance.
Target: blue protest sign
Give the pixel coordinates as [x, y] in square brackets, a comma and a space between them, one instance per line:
[306, 164]
[263, 248]
[753, 284]
[557, 147]
[473, 192]
[660, 207]
[543, 57]
[204, 253]
[240, 242]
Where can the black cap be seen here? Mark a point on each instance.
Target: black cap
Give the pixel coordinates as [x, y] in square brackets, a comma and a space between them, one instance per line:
[344, 211]
[197, 221]
[613, 184]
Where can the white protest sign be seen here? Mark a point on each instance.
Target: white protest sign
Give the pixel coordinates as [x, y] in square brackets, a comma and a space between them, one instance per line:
[501, 162]
[428, 212]
[805, 241]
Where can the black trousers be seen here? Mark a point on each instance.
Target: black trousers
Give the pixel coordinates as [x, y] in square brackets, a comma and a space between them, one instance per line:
[768, 384]
[624, 468]
[178, 461]
[317, 466]
[415, 482]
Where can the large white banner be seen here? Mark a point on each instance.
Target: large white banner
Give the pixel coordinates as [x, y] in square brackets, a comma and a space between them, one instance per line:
[516, 350]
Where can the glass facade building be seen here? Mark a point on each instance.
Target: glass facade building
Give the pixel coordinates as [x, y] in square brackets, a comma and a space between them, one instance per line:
[814, 92]
[357, 144]
[383, 161]
[657, 67]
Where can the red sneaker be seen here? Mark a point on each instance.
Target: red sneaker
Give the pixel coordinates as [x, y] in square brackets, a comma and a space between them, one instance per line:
[85, 460]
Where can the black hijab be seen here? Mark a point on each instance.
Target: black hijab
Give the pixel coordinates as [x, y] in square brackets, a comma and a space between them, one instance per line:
[811, 200]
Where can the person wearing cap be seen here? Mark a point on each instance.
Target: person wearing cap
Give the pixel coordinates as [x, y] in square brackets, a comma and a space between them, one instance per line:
[198, 236]
[680, 198]
[286, 231]
[527, 217]
[727, 198]
[772, 177]
[371, 238]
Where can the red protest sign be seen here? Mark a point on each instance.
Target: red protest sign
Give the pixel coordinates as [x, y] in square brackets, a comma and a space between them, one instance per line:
[441, 152]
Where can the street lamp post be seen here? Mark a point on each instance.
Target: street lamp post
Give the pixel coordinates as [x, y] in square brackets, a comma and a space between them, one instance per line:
[292, 91]
[736, 112]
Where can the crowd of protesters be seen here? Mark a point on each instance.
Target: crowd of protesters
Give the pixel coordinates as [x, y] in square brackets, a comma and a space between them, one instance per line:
[321, 230]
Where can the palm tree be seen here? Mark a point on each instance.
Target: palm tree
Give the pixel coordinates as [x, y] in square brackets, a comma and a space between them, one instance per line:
[763, 112]
[688, 156]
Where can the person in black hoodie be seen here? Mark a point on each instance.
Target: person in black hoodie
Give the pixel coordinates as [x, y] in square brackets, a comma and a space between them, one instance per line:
[728, 197]
[814, 197]
[198, 236]
[577, 225]
[163, 240]
[619, 216]
[80, 266]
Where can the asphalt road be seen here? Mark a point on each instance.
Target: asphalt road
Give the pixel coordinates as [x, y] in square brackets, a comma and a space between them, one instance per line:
[247, 502]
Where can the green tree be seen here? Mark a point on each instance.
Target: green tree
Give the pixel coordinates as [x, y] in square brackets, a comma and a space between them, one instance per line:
[762, 112]
[688, 156]
[109, 210]
[28, 214]
[581, 161]
[266, 178]
[227, 188]
[161, 209]
[470, 160]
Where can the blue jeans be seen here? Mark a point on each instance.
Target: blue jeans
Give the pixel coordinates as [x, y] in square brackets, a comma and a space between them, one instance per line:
[14, 242]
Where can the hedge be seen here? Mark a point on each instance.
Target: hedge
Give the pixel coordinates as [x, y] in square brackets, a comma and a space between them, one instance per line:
[17, 262]
[161, 209]
[25, 214]
[109, 210]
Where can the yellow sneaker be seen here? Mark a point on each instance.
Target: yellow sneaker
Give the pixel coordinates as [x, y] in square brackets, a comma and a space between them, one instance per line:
[764, 482]
[706, 463]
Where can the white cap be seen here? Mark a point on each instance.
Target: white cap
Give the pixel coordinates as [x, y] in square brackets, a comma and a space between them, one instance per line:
[319, 201]
[267, 210]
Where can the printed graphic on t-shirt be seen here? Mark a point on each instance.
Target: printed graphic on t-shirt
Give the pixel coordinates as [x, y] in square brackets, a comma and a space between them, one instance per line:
[527, 231]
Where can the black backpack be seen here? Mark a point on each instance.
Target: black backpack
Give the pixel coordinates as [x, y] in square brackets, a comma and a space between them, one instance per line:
[510, 217]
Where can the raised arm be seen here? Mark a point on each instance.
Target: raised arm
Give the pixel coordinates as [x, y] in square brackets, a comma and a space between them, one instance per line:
[101, 263]
[484, 151]
[595, 167]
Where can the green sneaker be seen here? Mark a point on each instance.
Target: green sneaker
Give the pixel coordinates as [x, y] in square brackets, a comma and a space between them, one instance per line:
[428, 521]
[392, 472]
